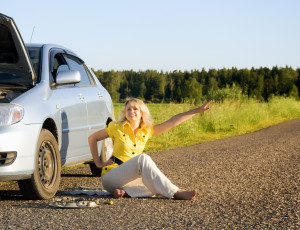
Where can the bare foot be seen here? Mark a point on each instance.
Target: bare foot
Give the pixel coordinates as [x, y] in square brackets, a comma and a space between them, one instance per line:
[185, 195]
[119, 193]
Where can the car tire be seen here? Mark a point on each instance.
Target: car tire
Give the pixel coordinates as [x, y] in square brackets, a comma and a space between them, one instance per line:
[45, 180]
[106, 153]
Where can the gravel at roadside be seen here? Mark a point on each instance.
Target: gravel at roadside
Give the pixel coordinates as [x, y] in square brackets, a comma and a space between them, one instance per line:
[250, 181]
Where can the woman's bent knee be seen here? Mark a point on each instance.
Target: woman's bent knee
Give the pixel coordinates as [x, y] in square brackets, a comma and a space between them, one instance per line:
[145, 158]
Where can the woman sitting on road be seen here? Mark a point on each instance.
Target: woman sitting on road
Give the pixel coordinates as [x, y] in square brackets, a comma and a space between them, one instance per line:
[130, 172]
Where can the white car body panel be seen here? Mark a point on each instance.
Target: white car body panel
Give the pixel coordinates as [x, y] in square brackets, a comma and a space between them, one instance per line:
[75, 112]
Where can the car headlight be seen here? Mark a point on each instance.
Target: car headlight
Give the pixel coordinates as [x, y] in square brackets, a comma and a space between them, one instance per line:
[10, 114]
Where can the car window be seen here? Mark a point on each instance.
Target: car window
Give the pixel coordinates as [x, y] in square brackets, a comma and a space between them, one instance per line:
[58, 60]
[90, 75]
[76, 64]
[7, 75]
[35, 56]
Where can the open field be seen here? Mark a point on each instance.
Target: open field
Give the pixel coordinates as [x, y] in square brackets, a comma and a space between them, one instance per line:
[227, 119]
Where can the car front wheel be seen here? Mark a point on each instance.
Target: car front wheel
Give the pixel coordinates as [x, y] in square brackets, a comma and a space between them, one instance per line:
[45, 180]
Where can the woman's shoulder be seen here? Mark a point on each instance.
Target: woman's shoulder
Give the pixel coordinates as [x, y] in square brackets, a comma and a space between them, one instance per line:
[114, 124]
[147, 128]
[112, 128]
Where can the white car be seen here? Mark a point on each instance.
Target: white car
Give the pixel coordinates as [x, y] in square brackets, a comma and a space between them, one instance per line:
[50, 102]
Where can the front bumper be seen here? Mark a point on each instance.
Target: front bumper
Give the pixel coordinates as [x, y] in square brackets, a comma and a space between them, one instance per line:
[21, 139]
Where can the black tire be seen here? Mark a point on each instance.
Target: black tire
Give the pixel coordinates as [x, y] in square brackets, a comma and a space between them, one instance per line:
[45, 180]
[106, 153]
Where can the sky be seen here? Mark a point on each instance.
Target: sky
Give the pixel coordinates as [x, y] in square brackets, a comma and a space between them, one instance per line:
[165, 35]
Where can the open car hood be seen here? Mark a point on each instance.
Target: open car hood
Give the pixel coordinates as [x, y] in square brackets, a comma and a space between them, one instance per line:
[16, 70]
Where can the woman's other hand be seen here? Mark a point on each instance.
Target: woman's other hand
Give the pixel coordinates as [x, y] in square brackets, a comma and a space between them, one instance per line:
[204, 107]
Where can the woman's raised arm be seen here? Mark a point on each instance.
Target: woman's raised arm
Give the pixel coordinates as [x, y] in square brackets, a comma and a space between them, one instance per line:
[179, 118]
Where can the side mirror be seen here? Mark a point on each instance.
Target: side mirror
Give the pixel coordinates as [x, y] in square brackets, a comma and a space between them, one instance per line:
[65, 77]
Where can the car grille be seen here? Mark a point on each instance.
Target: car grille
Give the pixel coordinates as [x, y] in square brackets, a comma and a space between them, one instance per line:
[7, 158]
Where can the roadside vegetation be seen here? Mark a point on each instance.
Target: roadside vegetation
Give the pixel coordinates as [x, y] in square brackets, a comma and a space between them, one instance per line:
[226, 118]
[246, 100]
[179, 87]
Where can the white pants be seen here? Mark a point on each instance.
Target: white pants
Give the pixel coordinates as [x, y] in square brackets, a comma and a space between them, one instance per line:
[139, 177]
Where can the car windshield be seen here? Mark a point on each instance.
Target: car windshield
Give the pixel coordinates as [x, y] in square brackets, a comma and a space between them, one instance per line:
[16, 78]
[35, 56]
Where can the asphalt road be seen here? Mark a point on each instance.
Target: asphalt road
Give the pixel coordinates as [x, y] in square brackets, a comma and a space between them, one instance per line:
[250, 181]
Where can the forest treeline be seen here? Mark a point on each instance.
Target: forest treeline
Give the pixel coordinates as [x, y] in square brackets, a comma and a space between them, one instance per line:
[195, 86]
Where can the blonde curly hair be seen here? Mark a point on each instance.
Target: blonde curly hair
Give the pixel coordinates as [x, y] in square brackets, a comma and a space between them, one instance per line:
[146, 118]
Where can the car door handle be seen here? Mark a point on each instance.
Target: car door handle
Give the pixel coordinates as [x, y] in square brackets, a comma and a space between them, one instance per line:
[81, 97]
[99, 95]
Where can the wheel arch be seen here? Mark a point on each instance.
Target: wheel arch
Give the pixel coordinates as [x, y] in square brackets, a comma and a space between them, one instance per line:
[50, 125]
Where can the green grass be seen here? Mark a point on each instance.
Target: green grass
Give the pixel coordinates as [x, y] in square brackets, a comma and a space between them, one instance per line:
[227, 119]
